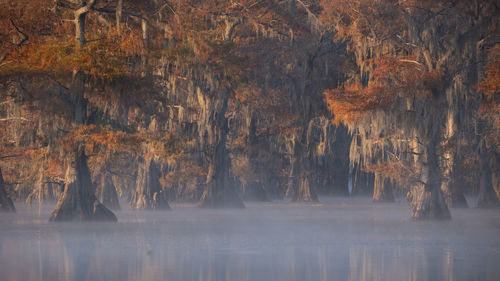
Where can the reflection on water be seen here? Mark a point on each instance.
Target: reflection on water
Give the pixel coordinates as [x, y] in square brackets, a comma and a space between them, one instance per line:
[353, 241]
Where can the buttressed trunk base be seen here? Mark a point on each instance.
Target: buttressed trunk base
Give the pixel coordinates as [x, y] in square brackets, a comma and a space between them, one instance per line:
[382, 190]
[6, 204]
[78, 202]
[428, 204]
[149, 193]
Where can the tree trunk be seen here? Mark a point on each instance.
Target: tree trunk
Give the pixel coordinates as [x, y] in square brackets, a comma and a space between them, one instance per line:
[252, 189]
[362, 182]
[119, 7]
[78, 202]
[80, 28]
[80, 15]
[382, 189]
[149, 193]
[219, 192]
[452, 192]
[495, 174]
[426, 196]
[229, 26]
[299, 188]
[106, 192]
[6, 204]
[454, 195]
[145, 32]
[487, 196]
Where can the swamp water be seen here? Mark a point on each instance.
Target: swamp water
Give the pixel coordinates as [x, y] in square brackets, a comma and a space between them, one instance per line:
[337, 239]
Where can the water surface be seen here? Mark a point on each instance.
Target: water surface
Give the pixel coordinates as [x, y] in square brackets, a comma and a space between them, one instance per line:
[338, 239]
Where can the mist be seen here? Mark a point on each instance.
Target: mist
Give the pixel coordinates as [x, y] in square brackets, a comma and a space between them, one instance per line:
[338, 239]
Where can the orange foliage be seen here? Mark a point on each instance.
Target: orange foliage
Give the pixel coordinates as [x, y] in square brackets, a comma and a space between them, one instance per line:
[94, 136]
[391, 78]
[401, 172]
[350, 102]
[490, 85]
[183, 175]
[358, 19]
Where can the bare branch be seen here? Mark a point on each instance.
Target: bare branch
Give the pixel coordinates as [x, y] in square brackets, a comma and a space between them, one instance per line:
[66, 5]
[13, 118]
[25, 36]
[7, 101]
[10, 156]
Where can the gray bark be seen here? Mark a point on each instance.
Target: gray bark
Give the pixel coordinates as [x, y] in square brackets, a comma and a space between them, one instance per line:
[119, 7]
[6, 204]
[80, 16]
[145, 31]
[487, 196]
[426, 196]
[382, 189]
[253, 189]
[219, 192]
[78, 202]
[299, 188]
[149, 193]
[106, 192]
[230, 24]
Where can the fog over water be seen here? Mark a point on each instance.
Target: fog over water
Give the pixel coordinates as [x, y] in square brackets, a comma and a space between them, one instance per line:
[337, 239]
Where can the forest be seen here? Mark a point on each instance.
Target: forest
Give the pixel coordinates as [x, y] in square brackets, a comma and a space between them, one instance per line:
[220, 102]
[189, 122]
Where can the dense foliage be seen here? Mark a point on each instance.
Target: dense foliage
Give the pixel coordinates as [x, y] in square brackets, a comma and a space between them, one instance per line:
[223, 100]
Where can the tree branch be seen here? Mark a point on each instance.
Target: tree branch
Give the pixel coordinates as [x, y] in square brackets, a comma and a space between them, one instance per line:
[13, 118]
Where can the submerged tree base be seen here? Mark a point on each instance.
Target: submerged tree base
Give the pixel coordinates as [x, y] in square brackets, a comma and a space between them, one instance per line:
[158, 201]
[301, 191]
[491, 202]
[254, 191]
[459, 202]
[383, 190]
[222, 199]
[6, 204]
[107, 193]
[149, 193]
[78, 202]
[428, 205]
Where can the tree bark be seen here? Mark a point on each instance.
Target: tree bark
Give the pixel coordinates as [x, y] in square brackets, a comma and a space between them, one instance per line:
[145, 32]
[299, 188]
[149, 193]
[452, 192]
[229, 25]
[78, 202]
[382, 189]
[119, 7]
[454, 195]
[426, 197]
[495, 174]
[106, 192]
[80, 15]
[487, 196]
[219, 192]
[362, 182]
[6, 204]
[253, 189]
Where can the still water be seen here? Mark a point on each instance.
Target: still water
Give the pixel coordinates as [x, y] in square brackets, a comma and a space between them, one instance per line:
[338, 239]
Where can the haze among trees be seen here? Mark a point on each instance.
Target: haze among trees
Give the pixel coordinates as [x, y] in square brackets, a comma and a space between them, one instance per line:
[222, 102]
